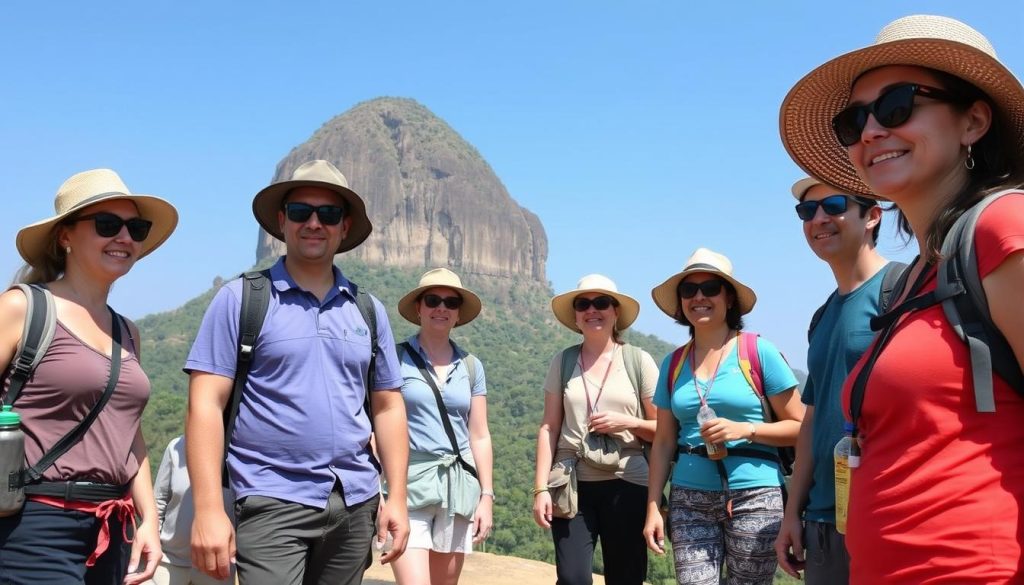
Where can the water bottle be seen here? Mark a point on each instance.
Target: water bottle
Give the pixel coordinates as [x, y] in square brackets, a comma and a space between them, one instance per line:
[12, 460]
[841, 455]
[715, 450]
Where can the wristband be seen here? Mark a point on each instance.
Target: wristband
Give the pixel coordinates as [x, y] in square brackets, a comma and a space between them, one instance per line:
[539, 490]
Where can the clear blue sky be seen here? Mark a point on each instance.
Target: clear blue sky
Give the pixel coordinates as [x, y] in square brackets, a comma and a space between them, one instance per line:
[636, 131]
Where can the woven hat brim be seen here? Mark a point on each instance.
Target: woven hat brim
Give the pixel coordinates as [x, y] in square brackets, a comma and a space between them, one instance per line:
[805, 118]
[469, 310]
[32, 240]
[267, 203]
[561, 306]
[664, 294]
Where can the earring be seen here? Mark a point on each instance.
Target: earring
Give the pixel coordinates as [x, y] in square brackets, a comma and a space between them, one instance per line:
[67, 250]
[969, 161]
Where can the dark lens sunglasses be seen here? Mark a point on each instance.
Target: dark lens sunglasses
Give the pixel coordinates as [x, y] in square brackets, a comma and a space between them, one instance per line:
[891, 109]
[109, 225]
[327, 214]
[433, 301]
[833, 205]
[709, 288]
[600, 303]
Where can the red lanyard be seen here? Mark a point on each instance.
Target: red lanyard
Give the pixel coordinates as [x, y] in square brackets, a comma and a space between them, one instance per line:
[711, 381]
[583, 376]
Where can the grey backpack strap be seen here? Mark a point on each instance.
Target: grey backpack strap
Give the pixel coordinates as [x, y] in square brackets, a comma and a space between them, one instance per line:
[36, 336]
[569, 358]
[365, 304]
[632, 357]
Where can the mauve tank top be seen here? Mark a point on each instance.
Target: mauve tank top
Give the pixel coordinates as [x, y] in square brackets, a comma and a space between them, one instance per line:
[65, 386]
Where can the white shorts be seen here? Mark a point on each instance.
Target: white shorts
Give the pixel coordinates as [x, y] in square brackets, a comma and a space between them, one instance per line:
[431, 528]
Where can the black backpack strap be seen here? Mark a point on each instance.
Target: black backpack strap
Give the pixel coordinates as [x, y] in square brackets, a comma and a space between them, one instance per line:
[365, 304]
[255, 301]
[816, 317]
[893, 281]
[417, 359]
[36, 336]
[35, 472]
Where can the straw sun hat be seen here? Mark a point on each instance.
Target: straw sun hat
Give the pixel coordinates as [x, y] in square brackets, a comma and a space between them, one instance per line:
[87, 188]
[703, 260]
[936, 42]
[561, 305]
[315, 173]
[436, 278]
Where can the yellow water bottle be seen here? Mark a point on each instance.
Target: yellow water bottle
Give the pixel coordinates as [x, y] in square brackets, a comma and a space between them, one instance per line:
[841, 455]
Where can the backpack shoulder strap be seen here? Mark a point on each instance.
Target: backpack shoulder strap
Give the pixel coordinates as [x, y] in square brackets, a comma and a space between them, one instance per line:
[895, 275]
[632, 357]
[569, 358]
[750, 362]
[818, 313]
[364, 302]
[675, 365]
[36, 336]
[470, 360]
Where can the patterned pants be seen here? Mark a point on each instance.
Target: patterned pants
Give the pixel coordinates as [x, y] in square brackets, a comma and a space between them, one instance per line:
[703, 535]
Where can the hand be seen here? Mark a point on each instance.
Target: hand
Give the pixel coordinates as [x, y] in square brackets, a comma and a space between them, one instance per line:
[721, 430]
[145, 549]
[393, 519]
[789, 546]
[611, 422]
[654, 530]
[213, 544]
[542, 509]
[482, 519]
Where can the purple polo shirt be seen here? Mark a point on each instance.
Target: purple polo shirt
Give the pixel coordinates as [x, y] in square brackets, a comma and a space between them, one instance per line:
[300, 424]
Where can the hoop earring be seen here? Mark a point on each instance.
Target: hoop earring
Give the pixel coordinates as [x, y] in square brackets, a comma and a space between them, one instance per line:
[969, 161]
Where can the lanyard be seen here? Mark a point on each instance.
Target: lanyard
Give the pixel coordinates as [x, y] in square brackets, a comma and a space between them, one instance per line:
[591, 408]
[714, 374]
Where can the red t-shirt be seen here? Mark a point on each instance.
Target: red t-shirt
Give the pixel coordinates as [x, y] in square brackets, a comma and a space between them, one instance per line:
[937, 496]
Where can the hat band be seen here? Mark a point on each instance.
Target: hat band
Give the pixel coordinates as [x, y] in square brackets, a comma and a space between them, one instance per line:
[93, 199]
[702, 266]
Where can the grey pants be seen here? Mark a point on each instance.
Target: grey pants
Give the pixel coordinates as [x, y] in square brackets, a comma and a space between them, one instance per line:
[285, 543]
[828, 563]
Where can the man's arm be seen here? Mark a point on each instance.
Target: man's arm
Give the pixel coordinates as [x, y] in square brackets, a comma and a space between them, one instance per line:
[789, 545]
[392, 434]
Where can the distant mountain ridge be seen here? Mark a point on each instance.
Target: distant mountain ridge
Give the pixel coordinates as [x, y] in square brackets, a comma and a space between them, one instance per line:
[433, 200]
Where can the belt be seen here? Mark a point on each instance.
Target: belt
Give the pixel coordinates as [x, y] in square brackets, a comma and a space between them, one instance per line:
[78, 491]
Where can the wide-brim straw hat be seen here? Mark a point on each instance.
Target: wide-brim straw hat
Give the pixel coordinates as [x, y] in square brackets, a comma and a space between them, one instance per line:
[936, 42]
[88, 188]
[703, 260]
[315, 173]
[439, 277]
[561, 305]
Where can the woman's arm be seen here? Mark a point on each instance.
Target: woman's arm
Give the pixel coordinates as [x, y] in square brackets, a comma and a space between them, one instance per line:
[663, 450]
[788, 409]
[146, 543]
[1003, 288]
[13, 305]
[483, 457]
[547, 440]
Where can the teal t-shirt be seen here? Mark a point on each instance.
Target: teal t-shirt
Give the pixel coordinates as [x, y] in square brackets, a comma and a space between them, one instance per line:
[842, 335]
[731, 397]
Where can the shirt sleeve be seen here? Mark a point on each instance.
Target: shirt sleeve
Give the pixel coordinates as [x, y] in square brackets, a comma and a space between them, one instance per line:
[778, 376]
[999, 233]
[388, 369]
[554, 377]
[215, 349]
[661, 396]
[479, 385]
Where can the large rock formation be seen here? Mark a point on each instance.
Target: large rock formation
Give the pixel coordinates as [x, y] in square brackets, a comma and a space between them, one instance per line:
[432, 198]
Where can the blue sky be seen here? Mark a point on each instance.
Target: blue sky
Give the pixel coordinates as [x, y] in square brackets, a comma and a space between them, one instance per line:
[636, 131]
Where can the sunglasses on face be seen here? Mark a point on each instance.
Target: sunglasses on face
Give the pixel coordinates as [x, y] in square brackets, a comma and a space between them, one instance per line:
[709, 288]
[833, 205]
[327, 214]
[600, 303]
[109, 225]
[434, 301]
[891, 109]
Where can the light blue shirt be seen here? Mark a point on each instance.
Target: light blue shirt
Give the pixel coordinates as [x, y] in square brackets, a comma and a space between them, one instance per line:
[732, 398]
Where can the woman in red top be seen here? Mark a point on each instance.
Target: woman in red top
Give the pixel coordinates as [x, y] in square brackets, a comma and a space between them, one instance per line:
[929, 119]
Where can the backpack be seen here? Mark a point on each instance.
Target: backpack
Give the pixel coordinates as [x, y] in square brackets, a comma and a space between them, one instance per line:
[631, 357]
[255, 302]
[890, 283]
[750, 365]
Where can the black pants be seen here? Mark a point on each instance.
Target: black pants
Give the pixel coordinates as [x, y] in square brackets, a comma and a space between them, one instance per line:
[615, 511]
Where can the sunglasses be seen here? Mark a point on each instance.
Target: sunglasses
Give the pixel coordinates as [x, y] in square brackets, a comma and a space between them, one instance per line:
[600, 303]
[833, 205]
[434, 301]
[109, 225]
[327, 214]
[709, 288]
[892, 108]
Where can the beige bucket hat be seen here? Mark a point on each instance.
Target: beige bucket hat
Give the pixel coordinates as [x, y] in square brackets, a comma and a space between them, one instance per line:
[561, 305]
[440, 277]
[936, 42]
[702, 260]
[87, 188]
[315, 173]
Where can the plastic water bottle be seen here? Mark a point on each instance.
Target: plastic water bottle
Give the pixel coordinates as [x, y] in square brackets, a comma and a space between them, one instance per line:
[12, 460]
[841, 455]
[715, 450]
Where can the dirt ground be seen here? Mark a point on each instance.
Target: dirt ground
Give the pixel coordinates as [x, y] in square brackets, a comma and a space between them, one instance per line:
[486, 569]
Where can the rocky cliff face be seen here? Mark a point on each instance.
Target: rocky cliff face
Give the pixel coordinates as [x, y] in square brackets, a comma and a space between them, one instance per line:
[431, 197]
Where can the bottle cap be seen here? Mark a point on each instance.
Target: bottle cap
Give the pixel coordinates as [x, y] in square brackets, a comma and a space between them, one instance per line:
[8, 417]
[848, 428]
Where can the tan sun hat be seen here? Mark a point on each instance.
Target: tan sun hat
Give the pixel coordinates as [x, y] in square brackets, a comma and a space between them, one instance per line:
[315, 173]
[703, 260]
[435, 278]
[936, 42]
[87, 188]
[561, 305]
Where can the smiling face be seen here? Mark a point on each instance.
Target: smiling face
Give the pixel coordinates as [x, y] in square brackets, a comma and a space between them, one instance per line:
[312, 241]
[837, 238]
[595, 320]
[439, 318]
[107, 257]
[704, 311]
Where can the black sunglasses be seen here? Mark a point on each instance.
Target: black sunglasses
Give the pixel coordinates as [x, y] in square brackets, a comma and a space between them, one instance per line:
[327, 214]
[833, 205]
[433, 301]
[891, 109]
[109, 225]
[710, 288]
[600, 303]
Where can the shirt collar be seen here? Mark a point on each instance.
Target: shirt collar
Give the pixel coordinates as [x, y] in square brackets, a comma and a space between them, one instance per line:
[284, 281]
[414, 343]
